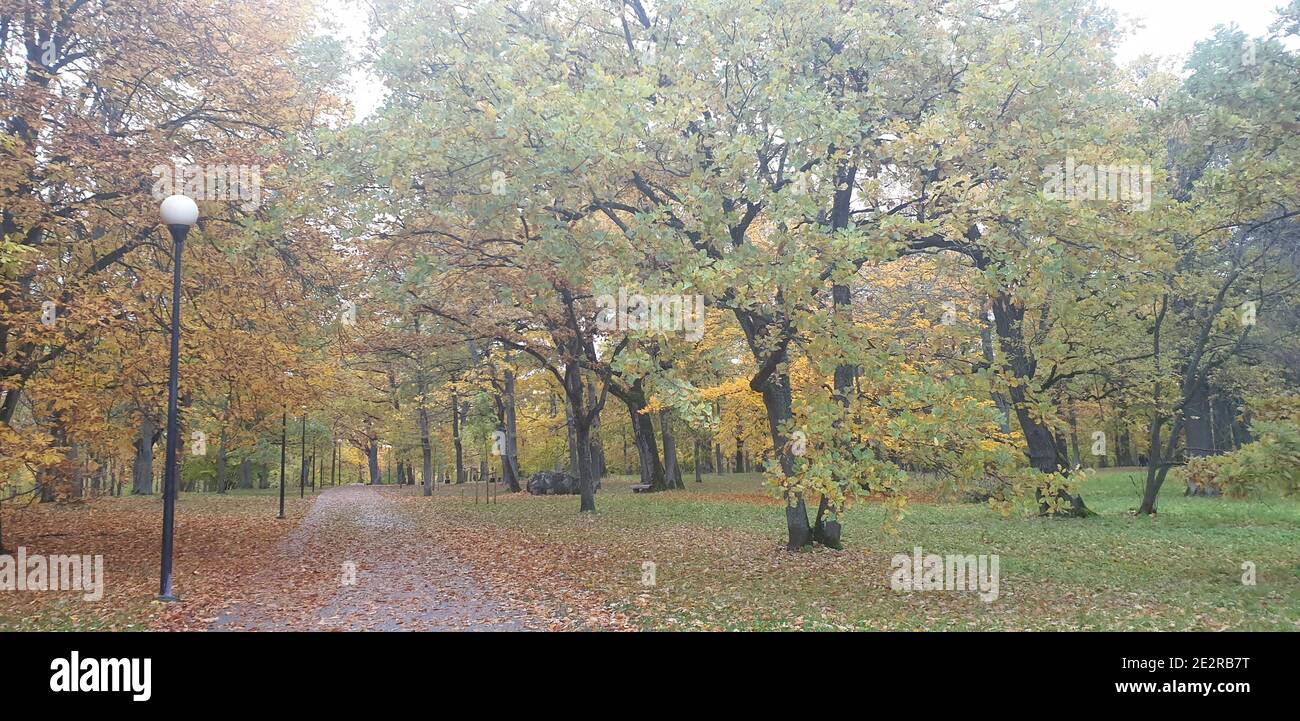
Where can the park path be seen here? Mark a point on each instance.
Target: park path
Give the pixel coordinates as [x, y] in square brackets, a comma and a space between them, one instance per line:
[402, 580]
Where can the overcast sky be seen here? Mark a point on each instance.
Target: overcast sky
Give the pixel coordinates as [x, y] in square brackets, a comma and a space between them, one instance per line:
[1171, 27]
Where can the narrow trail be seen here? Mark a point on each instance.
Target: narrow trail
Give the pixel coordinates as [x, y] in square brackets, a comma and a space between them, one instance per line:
[357, 563]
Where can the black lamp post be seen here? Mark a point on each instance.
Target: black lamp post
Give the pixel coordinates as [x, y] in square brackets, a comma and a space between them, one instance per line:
[179, 213]
[284, 446]
[302, 451]
[284, 441]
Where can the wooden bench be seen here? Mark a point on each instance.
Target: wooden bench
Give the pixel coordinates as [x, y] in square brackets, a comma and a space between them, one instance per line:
[641, 488]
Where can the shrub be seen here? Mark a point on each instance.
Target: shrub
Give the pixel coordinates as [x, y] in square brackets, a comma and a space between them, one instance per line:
[1271, 462]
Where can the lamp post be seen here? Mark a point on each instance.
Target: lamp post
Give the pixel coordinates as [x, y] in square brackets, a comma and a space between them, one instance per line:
[284, 445]
[284, 441]
[178, 213]
[302, 451]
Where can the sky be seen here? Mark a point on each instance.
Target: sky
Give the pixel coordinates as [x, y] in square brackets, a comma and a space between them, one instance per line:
[1170, 27]
[1173, 26]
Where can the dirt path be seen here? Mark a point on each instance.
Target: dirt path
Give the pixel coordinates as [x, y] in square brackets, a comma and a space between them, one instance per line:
[358, 563]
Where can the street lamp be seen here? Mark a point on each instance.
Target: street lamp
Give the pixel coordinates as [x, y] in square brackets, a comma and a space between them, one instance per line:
[284, 436]
[302, 451]
[178, 213]
[284, 444]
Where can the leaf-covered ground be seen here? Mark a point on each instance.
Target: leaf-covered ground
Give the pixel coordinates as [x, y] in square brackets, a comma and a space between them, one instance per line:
[533, 563]
[719, 563]
[220, 541]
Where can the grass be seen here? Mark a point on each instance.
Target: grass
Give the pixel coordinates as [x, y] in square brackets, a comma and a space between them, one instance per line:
[716, 550]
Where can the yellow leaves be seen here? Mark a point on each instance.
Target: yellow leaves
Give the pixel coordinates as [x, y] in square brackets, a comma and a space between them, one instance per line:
[732, 387]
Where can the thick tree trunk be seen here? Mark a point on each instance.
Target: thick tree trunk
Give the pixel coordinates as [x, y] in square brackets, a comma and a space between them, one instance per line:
[597, 446]
[142, 469]
[672, 471]
[455, 438]
[587, 484]
[507, 417]
[246, 473]
[777, 401]
[826, 528]
[572, 432]
[221, 466]
[372, 460]
[9, 405]
[426, 451]
[643, 434]
[1044, 453]
[581, 417]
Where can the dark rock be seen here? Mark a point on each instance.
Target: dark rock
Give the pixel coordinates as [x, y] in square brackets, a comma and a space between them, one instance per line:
[554, 483]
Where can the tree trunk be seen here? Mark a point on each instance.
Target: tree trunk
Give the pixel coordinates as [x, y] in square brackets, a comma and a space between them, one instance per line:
[1043, 451]
[1124, 446]
[142, 469]
[510, 459]
[643, 435]
[1156, 466]
[986, 346]
[586, 484]
[1074, 435]
[777, 401]
[10, 405]
[1159, 463]
[246, 473]
[672, 472]
[221, 465]
[572, 432]
[372, 460]
[580, 417]
[826, 528]
[698, 479]
[597, 446]
[455, 438]
[426, 451]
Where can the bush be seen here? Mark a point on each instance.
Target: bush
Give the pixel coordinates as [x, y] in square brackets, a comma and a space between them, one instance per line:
[1272, 462]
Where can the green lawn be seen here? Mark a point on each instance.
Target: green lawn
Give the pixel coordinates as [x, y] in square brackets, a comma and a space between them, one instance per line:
[718, 563]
